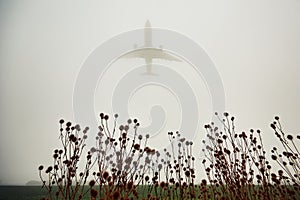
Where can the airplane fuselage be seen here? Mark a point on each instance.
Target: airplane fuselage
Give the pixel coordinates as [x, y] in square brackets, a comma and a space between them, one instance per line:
[148, 34]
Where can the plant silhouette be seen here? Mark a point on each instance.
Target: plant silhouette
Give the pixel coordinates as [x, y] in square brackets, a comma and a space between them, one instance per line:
[121, 166]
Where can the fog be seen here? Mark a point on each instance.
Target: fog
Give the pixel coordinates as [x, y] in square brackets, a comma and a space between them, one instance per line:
[254, 45]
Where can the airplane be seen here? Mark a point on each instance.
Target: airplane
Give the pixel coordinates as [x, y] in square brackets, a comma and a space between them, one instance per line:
[148, 52]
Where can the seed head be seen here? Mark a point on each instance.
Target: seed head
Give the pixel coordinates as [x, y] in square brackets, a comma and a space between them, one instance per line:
[290, 137]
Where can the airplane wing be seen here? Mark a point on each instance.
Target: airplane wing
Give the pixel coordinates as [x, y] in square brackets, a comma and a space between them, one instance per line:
[151, 53]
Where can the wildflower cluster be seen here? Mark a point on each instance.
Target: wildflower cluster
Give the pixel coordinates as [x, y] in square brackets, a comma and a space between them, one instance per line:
[121, 164]
[237, 166]
[64, 173]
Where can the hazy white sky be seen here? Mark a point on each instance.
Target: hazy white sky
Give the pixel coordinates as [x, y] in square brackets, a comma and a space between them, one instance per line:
[255, 46]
